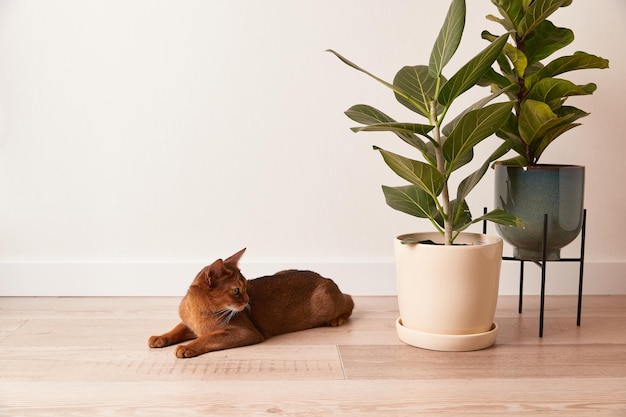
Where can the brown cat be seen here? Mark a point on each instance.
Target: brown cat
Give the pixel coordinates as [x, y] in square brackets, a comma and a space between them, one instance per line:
[222, 309]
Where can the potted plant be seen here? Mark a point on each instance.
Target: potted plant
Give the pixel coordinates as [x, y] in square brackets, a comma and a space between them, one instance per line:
[523, 186]
[447, 280]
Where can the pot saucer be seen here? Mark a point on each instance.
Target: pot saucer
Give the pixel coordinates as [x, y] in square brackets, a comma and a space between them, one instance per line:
[447, 342]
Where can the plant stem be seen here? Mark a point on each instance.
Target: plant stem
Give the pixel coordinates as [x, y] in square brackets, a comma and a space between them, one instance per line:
[521, 96]
[441, 167]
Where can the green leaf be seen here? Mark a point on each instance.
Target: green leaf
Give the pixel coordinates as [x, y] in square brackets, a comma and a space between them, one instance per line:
[554, 91]
[498, 81]
[578, 61]
[462, 215]
[397, 90]
[356, 67]
[412, 200]
[421, 174]
[555, 124]
[396, 127]
[448, 39]
[517, 58]
[420, 86]
[550, 136]
[536, 13]
[463, 160]
[501, 217]
[571, 113]
[566, 116]
[471, 73]
[532, 118]
[519, 161]
[511, 10]
[468, 184]
[506, 23]
[473, 127]
[508, 76]
[544, 131]
[431, 153]
[546, 40]
[368, 115]
[447, 129]
[510, 132]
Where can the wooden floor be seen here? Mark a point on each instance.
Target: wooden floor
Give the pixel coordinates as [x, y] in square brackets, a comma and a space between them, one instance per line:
[89, 357]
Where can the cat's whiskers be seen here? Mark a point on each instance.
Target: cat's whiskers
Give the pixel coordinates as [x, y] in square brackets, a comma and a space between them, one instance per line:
[225, 315]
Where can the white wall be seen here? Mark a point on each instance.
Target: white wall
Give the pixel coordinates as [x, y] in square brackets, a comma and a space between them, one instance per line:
[142, 139]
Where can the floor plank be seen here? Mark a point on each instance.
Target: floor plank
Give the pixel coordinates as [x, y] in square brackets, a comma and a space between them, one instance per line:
[449, 397]
[500, 361]
[321, 362]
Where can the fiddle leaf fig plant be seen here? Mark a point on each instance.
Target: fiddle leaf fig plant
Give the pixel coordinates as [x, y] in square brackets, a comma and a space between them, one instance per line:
[424, 90]
[540, 114]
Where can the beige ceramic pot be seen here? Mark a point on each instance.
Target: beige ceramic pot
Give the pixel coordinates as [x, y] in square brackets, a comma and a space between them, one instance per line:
[447, 295]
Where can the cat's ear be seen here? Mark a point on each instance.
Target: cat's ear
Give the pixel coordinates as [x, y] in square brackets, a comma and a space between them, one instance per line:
[234, 259]
[213, 272]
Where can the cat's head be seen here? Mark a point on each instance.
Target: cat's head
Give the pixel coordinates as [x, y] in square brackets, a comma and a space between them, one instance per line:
[224, 283]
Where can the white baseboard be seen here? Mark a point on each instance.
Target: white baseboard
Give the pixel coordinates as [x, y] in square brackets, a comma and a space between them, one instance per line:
[357, 278]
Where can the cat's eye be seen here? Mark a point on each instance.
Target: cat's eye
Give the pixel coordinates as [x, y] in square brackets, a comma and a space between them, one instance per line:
[235, 291]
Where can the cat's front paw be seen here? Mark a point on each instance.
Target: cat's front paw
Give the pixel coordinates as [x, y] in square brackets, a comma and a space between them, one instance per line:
[184, 351]
[158, 342]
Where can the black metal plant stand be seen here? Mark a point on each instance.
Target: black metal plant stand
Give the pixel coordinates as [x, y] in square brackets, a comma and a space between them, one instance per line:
[543, 263]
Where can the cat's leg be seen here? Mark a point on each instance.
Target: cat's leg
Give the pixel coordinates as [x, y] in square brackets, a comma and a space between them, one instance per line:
[180, 333]
[227, 338]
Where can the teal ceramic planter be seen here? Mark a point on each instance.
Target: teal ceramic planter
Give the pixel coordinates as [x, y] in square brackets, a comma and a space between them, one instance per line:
[531, 192]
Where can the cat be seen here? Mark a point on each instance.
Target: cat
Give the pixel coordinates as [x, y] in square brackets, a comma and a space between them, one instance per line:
[223, 310]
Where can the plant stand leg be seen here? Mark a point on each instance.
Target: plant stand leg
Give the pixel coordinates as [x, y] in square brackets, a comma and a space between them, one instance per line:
[544, 252]
[521, 286]
[582, 268]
